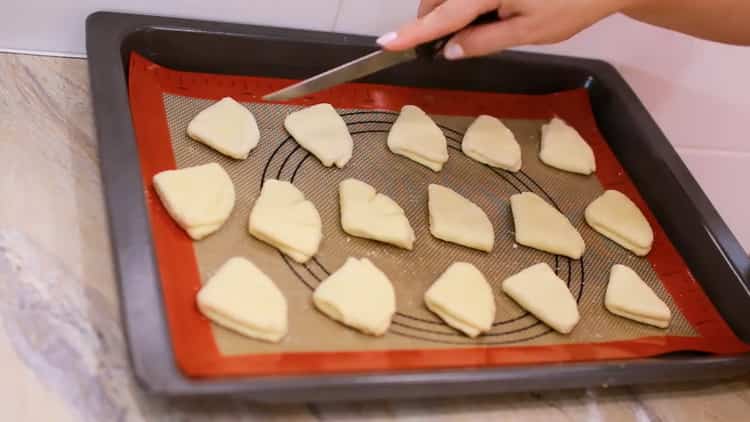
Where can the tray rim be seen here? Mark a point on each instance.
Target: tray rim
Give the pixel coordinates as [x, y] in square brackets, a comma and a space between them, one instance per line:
[135, 264]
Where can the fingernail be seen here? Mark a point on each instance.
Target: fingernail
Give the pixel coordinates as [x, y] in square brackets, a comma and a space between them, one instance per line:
[385, 39]
[453, 51]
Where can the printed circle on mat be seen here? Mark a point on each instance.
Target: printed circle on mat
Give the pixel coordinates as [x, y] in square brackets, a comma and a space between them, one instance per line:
[412, 272]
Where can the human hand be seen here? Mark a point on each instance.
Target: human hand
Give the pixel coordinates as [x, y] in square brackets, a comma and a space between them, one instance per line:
[523, 22]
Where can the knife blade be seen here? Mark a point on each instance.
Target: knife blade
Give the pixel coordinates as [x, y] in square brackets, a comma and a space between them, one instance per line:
[350, 71]
[370, 63]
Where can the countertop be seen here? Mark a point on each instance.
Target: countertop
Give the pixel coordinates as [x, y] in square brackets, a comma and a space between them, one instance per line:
[62, 351]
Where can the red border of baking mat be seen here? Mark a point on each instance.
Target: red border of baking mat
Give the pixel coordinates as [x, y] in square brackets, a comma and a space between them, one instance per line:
[193, 343]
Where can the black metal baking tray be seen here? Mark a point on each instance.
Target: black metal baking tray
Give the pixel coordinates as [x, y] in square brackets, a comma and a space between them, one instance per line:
[713, 254]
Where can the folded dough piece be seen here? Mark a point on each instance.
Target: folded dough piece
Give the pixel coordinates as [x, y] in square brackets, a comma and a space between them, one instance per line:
[200, 199]
[371, 215]
[320, 130]
[244, 299]
[415, 136]
[359, 295]
[226, 126]
[539, 225]
[630, 297]
[565, 149]
[283, 218]
[541, 292]
[199, 232]
[463, 299]
[489, 141]
[455, 219]
[614, 215]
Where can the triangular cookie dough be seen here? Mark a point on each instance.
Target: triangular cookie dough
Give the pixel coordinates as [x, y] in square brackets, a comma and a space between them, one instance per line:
[415, 136]
[565, 149]
[539, 225]
[283, 218]
[489, 141]
[242, 298]
[226, 126]
[200, 199]
[541, 292]
[455, 219]
[199, 232]
[630, 297]
[359, 295]
[371, 215]
[463, 299]
[320, 130]
[615, 216]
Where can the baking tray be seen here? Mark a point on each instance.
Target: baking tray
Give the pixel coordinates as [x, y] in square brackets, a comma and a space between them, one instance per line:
[713, 254]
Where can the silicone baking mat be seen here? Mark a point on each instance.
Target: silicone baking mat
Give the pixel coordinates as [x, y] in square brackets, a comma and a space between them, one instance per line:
[163, 101]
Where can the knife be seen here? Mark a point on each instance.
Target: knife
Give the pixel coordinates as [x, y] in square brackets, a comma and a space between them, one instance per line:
[370, 63]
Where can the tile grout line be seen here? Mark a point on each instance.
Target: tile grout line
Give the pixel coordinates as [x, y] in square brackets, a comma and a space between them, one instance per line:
[714, 151]
[336, 17]
[65, 55]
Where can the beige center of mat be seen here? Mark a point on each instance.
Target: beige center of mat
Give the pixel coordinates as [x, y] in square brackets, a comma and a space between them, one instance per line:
[412, 272]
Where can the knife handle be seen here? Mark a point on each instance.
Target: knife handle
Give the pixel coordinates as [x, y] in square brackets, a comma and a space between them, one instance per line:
[433, 49]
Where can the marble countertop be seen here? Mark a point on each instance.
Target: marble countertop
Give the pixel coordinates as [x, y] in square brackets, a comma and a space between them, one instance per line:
[62, 350]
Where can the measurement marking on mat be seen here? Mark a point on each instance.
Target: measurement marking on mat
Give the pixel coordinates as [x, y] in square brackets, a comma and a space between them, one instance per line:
[405, 324]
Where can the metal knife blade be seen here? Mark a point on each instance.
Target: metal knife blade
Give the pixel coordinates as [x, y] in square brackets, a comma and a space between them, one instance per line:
[346, 72]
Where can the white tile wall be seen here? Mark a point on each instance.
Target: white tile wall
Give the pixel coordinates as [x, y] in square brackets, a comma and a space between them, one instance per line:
[724, 177]
[696, 90]
[374, 17]
[58, 25]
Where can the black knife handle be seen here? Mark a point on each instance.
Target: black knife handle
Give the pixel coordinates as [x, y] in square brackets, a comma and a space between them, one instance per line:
[432, 49]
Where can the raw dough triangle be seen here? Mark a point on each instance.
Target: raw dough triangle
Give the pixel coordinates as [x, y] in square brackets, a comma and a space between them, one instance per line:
[463, 299]
[565, 149]
[630, 297]
[199, 232]
[371, 215]
[244, 299]
[539, 225]
[615, 216]
[359, 295]
[415, 136]
[541, 292]
[454, 218]
[320, 130]
[226, 126]
[489, 141]
[200, 199]
[283, 218]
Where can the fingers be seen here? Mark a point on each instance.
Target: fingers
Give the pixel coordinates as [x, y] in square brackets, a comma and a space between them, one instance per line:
[491, 38]
[426, 6]
[447, 17]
